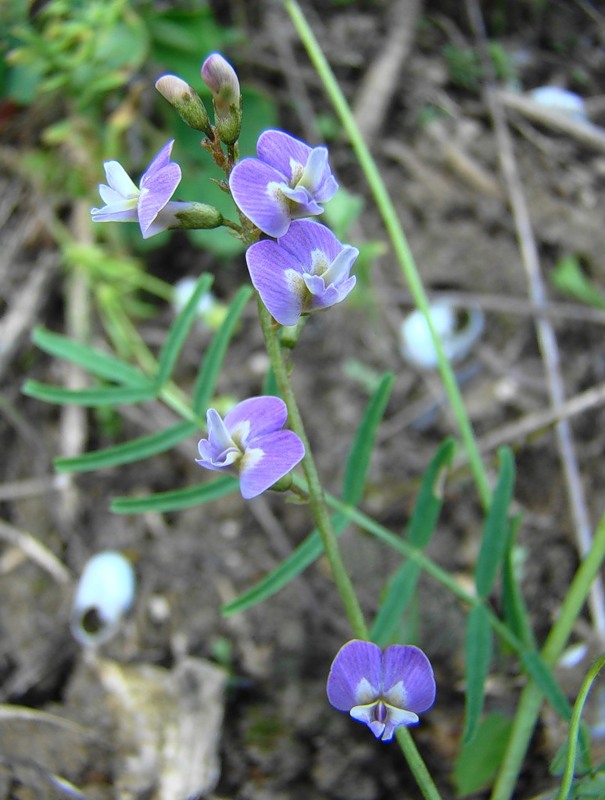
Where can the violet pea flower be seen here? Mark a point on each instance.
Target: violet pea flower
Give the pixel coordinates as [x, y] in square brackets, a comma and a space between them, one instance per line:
[381, 689]
[149, 204]
[287, 181]
[306, 270]
[250, 442]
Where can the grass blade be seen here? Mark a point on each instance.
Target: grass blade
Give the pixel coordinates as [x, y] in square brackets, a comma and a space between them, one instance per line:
[358, 462]
[495, 531]
[513, 604]
[213, 360]
[430, 497]
[543, 676]
[126, 453]
[179, 331]
[304, 555]
[95, 362]
[178, 499]
[400, 591]
[100, 396]
[478, 651]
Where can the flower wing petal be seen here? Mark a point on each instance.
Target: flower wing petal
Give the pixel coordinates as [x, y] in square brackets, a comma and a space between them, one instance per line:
[255, 187]
[354, 677]
[161, 160]
[407, 678]
[272, 457]
[277, 277]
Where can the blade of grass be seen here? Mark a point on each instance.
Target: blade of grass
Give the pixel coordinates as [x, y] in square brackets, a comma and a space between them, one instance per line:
[102, 365]
[211, 366]
[101, 396]
[495, 531]
[128, 452]
[176, 500]
[478, 652]
[179, 331]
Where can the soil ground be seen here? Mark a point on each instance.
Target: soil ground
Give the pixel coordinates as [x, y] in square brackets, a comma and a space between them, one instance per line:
[279, 738]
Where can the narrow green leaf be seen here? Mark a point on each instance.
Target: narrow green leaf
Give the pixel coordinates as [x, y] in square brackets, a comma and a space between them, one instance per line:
[178, 499]
[402, 585]
[304, 555]
[213, 360]
[126, 453]
[430, 497]
[358, 462]
[401, 589]
[179, 330]
[478, 761]
[543, 676]
[515, 611]
[478, 653]
[100, 396]
[493, 542]
[102, 365]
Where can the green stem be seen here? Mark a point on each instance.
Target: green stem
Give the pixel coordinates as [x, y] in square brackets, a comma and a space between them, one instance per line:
[316, 495]
[397, 236]
[531, 697]
[574, 728]
[319, 508]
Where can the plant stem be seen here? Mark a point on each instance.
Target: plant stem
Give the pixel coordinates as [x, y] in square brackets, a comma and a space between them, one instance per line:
[398, 239]
[316, 495]
[319, 508]
[531, 697]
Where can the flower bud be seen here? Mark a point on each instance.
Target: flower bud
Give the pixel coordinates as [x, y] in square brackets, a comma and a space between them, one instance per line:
[220, 77]
[198, 216]
[185, 101]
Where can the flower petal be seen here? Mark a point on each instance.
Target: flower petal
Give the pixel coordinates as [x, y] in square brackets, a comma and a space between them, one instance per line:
[257, 191]
[277, 277]
[161, 160]
[155, 194]
[394, 718]
[339, 269]
[272, 457]
[262, 415]
[355, 675]
[119, 180]
[305, 236]
[408, 666]
[282, 152]
[123, 211]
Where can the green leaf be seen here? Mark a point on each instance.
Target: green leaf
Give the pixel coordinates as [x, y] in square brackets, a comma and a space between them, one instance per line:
[178, 499]
[102, 365]
[569, 278]
[205, 383]
[126, 453]
[478, 760]
[101, 396]
[495, 531]
[543, 676]
[401, 589]
[430, 497]
[403, 584]
[179, 330]
[478, 653]
[358, 461]
[304, 555]
[515, 611]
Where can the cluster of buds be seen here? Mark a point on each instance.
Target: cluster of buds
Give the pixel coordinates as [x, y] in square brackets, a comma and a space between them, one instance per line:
[220, 77]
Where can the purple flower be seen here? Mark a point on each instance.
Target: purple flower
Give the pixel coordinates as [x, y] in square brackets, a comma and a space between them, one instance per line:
[148, 205]
[250, 442]
[381, 689]
[287, 181]
[306, 270]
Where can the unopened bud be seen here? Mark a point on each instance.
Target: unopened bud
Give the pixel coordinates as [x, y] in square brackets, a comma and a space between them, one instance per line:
[220, 77]
[185, 101]
[198, 216]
